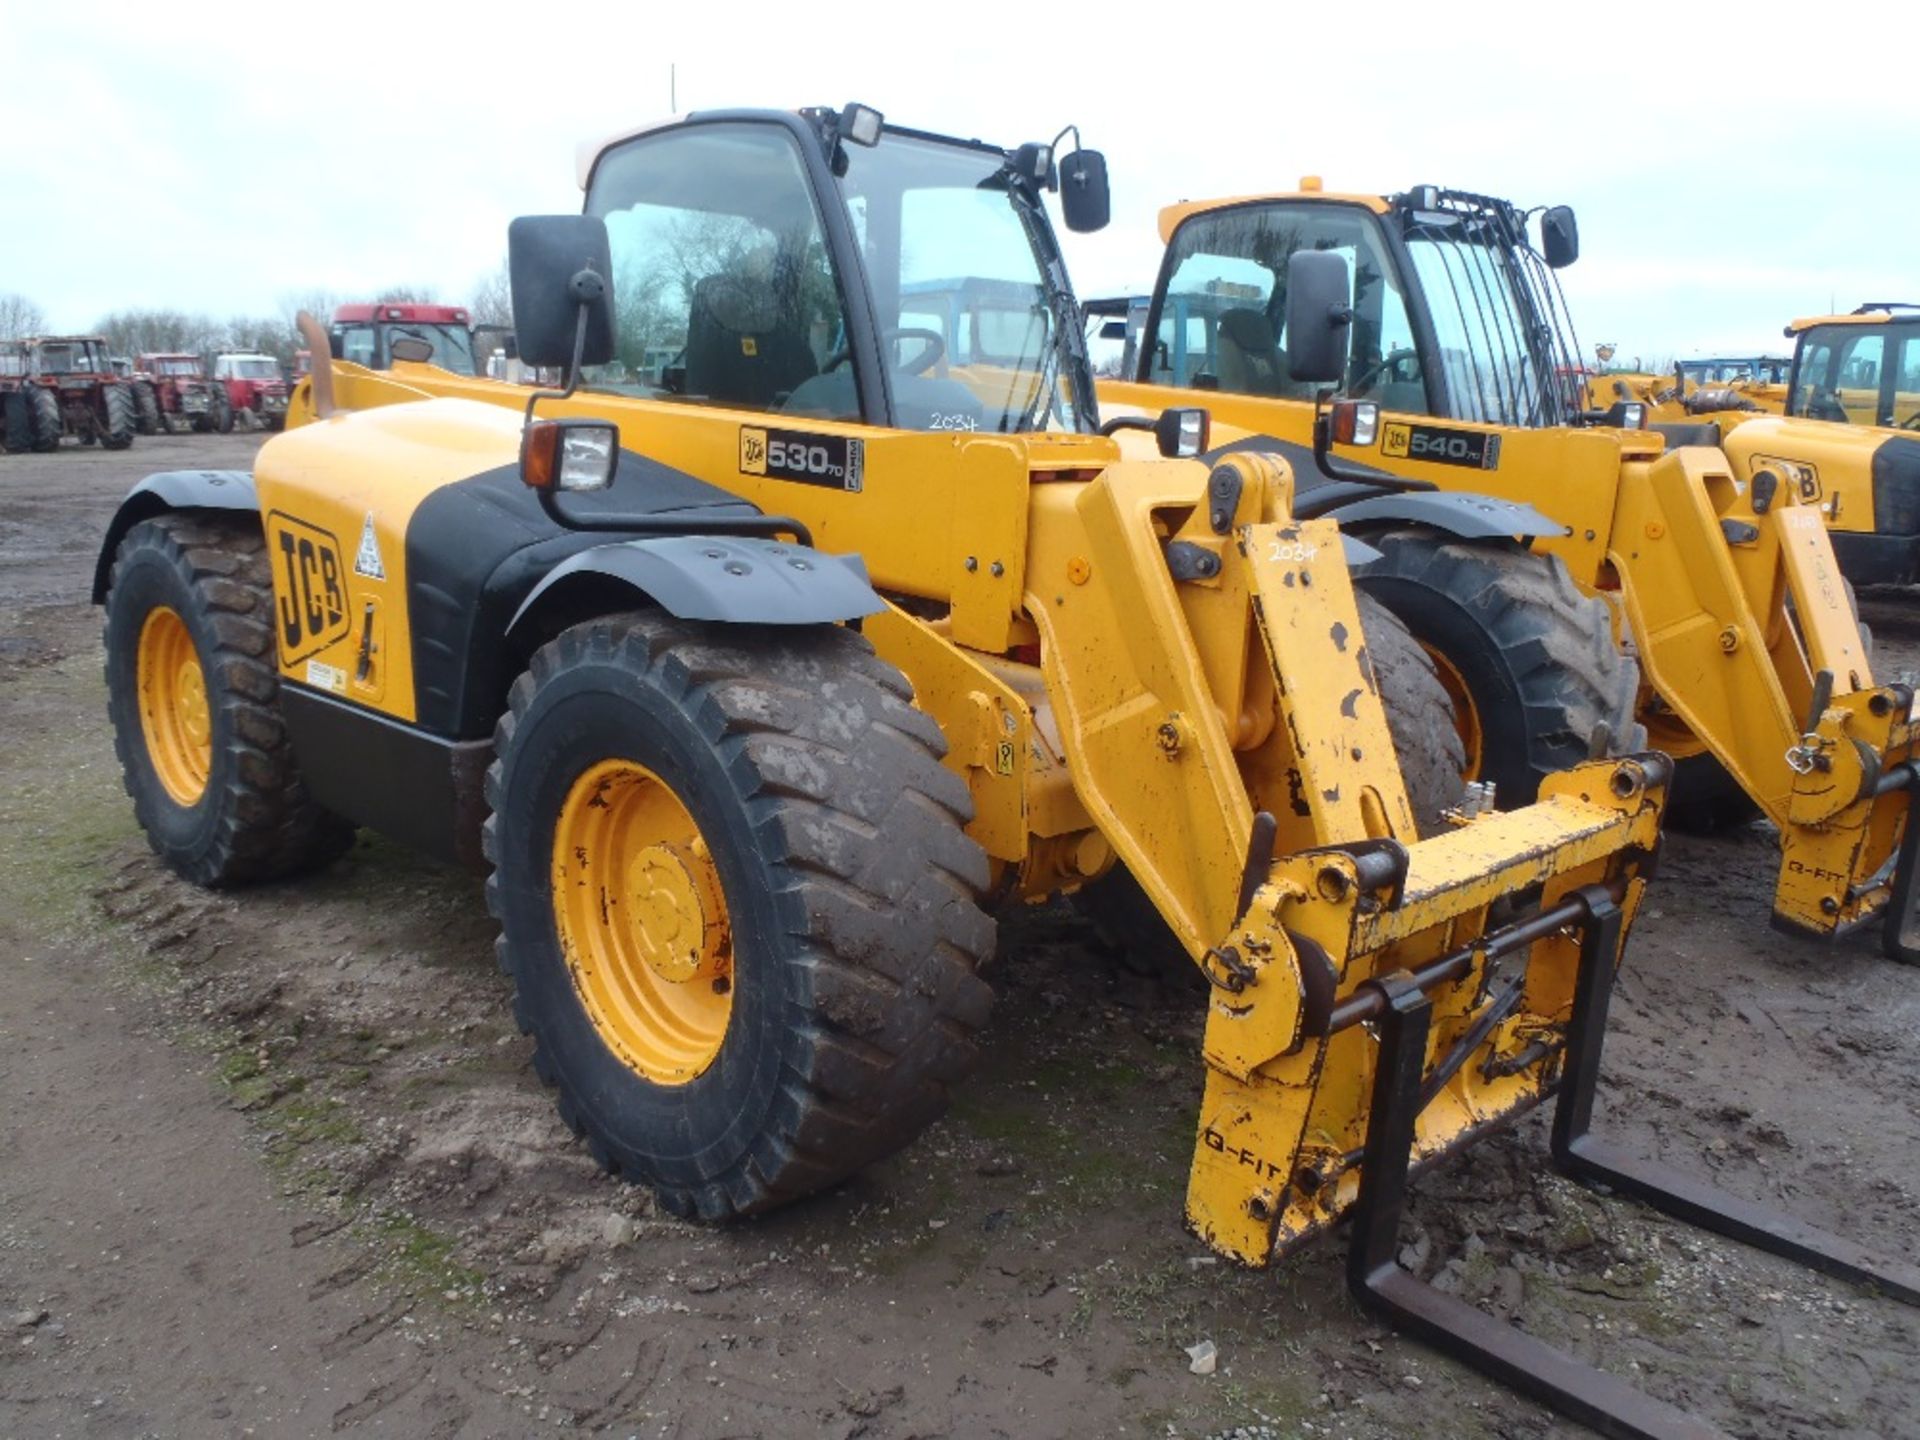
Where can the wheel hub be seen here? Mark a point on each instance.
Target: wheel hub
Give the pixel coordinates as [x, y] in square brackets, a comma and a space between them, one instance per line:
[675, 896]
[642, 921]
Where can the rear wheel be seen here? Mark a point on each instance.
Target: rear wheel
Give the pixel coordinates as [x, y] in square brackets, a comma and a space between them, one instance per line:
[48, 423]
[1432, 759]
[192, 691]
[1529, 661]
[117, 417]
[146, 408]
[737, 904]
[16, 410]
[222, 411]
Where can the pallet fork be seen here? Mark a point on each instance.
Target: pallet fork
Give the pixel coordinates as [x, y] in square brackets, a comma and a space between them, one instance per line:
[1398, 1006]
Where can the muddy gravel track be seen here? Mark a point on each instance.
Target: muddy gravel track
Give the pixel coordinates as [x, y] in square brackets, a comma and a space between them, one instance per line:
[274, 1162]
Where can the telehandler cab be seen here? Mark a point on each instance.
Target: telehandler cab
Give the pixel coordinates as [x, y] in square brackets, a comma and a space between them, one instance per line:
[677, 654]
[1441, 324]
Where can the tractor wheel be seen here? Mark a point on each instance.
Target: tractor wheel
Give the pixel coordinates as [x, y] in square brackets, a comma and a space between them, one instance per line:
[1432, 758]
[222, 411]
[193, 690]
[736, 902]
[19, 423]
[1528, 659]
[48, 422]
[118, 417]
[146, 408]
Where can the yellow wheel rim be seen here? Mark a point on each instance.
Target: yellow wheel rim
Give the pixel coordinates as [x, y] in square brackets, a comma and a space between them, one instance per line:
[1466, 717]
[174, 715]
[642, 921]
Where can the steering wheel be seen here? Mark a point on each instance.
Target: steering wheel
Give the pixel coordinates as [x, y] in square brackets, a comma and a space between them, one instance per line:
[1388, 365]
[1825, 405]
[1912, 422]
[935, 352]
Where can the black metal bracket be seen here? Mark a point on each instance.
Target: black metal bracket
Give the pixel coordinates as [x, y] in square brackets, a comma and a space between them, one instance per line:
[1596, 1399]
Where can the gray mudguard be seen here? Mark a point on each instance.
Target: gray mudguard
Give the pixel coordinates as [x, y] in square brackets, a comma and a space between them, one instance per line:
[171, 490]
[734, 580]
[1471, 517]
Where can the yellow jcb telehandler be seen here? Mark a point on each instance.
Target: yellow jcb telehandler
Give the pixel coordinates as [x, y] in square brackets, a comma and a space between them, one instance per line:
[758, 665]
[1520, 537]
[1850, 399]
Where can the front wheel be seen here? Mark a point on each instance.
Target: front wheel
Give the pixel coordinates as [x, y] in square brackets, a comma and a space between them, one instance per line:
[737, 904]
[48, 423]
[193, 694]
[222, 412]
[146, 407]
[118, 417]
[16, 409]
[1528, 659]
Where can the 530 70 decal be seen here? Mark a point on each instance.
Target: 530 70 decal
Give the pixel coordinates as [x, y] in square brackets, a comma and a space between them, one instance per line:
[837, 462]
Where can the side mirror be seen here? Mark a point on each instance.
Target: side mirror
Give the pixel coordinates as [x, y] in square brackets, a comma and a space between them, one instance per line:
[1559, 236]
[412, 349]
[560, 266]
[1085, 201]
[1319, 316]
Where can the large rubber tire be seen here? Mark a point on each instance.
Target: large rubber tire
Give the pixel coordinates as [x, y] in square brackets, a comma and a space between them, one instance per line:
[16, 411]
[849, 887]
[146, 408]
[1431, 755]
[48, 423]
[253, 819]
[222, 410]
[1534, 656]
[119, 417]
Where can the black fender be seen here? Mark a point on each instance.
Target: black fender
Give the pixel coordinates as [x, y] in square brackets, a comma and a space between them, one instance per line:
[735, 580]
[171, 490]
[1464, 514]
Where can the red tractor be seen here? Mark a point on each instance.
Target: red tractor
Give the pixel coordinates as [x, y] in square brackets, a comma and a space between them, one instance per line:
[255, 389]
[63, 385]
[366, 335]
[172, 392]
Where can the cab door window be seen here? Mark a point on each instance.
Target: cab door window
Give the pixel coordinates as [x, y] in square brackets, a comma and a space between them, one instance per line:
[1222, 321]
[724, 292]
[1840, 377]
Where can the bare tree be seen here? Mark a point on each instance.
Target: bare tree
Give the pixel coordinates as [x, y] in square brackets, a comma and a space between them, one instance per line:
[492, 302]
[407, 295]
[316, 302]
[141, 332]
[20, 316]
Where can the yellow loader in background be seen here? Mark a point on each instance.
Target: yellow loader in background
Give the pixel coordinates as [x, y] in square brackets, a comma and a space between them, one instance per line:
[1438, 319]
[760, 664]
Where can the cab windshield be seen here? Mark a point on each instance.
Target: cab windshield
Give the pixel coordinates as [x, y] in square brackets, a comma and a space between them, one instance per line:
[973, 304]
[256, 370]
[452, 344]
[68, 359]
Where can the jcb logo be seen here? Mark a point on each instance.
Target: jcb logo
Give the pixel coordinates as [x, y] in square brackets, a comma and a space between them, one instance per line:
[753, 451]
[1395, 440]
[310, 586]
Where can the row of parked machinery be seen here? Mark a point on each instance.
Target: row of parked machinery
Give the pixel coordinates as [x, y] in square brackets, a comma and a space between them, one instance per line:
[69, 387]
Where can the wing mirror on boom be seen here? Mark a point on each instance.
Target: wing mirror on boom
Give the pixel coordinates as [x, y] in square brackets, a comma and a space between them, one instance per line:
[1319, 332]
[1559, 236]
[1086, 203]
[560, 268]
[1319, 316]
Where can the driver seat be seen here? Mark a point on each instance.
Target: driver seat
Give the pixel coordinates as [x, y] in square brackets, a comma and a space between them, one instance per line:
[743, 346]
[1250, 360]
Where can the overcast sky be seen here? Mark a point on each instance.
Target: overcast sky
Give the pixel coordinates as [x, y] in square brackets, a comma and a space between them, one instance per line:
[1725, 181]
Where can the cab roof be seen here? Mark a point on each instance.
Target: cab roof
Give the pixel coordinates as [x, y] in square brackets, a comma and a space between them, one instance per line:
[1878, 312]
[418, 314]
[1173, 216]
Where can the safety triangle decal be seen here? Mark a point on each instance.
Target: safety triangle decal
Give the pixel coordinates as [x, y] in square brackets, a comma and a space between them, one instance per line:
[366, 560]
